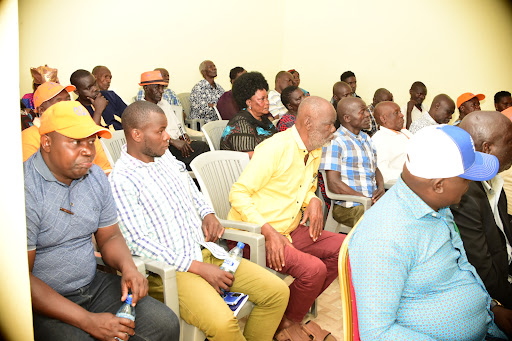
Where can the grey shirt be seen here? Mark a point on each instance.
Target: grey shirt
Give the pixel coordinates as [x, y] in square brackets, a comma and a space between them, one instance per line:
[64, 250]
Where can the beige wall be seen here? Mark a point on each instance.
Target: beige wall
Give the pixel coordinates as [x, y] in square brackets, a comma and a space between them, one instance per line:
[15, 305]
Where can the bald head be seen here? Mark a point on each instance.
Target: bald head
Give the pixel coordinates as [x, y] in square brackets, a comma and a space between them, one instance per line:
[442, 109]
[103, 77]
[315, 122]
[382, 95]
[341, 90]
[284, 79]
[353, 114]
[492, 134]
[388, 115]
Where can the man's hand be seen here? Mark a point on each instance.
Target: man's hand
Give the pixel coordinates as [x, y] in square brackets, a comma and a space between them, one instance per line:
[106, 326]
[378, 194]
[316, 218]
[183, 146]
[214, 275]
[212, 228]
[274, 247]
[99, 103]
[503, 319]
[132, 279]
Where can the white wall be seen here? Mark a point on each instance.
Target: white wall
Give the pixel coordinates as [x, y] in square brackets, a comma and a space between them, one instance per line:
[15, 304]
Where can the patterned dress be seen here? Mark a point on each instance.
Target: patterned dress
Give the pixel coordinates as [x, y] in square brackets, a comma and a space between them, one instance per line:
[244, 132]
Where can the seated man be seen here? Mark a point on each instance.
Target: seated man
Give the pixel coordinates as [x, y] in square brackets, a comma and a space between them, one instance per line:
[274, 189]
[180, 145]
[227, 105]
[205, 94]
[390, 141]
[380, 95]
[103, 77]
[467, 103]
[350, 161]
[502, 100]
[103, 105]
[165, 217]
[67, 200]
[350, 78]
[169, 95]
[45, 96]
[481, 215]
[410, 273]
[276, 107]
[440, 112]
[414, 108]
[340, 90]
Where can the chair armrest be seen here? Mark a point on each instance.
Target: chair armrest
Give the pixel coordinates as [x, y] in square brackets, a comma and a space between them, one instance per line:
[254, 240]
[389, 183]
[168, 275]
[366, 202]
[249, 227]
[194, 123]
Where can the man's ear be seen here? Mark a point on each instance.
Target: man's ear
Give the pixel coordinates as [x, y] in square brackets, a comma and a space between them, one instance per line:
[137, 135]
[308, 122]
[438, 186]
[46, 142]
[486, 147]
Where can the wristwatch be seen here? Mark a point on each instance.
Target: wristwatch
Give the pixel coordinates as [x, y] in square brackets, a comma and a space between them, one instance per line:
[495, 303]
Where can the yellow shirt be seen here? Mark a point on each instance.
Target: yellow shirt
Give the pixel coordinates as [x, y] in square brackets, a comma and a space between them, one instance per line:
[276, 183]
[31, 141]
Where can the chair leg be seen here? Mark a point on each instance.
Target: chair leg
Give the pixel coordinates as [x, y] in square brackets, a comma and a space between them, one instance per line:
[314, 309]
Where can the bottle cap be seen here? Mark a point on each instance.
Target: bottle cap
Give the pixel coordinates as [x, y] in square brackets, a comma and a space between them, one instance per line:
[129, 299]
[240, 245]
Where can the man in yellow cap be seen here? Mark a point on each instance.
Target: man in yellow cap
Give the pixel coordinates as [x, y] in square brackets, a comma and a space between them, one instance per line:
[45, 96]
[68, 199]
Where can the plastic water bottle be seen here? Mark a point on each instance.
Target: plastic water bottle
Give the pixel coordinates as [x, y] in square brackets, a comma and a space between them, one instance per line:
[234, 258]
[126, 311]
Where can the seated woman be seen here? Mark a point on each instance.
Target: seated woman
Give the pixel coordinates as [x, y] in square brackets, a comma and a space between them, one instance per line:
[291, 97]
[296, 81]
[250, 126]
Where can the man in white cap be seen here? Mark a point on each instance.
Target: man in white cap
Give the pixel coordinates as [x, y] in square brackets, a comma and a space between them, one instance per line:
[68, 199]
[410, 272]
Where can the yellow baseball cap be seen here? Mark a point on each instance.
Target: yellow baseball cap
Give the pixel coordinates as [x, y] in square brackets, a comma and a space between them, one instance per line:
[71, 119]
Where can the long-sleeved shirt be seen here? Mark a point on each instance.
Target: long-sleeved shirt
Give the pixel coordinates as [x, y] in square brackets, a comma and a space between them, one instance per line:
[202, 94]
[411, 275]
[161, 210]
[276, 107]
[276, 183]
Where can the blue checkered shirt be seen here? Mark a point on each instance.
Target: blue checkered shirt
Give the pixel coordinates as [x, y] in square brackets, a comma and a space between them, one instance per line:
[355, 157]
[161, 210]
[411, 275]
[168, 95]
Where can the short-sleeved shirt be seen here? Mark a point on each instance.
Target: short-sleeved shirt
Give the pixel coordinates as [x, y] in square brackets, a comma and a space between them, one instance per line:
[276, 105]
[64, 250]
[287, 121]
[355, 157]
[424, 121]
[243, 132]
[202, 94]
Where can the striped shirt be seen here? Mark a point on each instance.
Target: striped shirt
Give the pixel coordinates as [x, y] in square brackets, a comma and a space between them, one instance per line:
[168, 95]
[355, 157]
[161, 210]
[411, 275]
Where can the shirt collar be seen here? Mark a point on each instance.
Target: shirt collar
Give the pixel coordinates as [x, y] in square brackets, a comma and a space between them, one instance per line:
[493, 186]
[300, 144]
[42, 168]
[361, 136]
[134, 163]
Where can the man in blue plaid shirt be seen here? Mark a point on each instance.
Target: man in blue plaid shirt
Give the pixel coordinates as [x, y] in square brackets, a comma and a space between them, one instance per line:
[350, 161]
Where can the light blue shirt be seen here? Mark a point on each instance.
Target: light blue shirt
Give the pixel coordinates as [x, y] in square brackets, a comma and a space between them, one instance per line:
[411, 276]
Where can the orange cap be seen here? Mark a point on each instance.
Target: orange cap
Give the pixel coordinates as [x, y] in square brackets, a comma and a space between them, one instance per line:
[508, 112]
[71, 119]
[152, 77]
[467, 96]
[47, 91]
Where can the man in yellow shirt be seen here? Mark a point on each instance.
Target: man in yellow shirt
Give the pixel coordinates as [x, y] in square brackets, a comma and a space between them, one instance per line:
[279, 184]
[45, 96]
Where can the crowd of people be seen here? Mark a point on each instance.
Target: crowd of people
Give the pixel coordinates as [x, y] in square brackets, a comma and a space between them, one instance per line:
[431, 259]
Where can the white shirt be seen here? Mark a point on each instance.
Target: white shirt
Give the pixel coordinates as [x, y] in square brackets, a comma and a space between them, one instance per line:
[391, 148]
[276, 106]
[424, 121]
[174, 127]
[415, 113]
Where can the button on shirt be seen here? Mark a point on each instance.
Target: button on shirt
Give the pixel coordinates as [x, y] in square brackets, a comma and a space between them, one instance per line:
[276, 183]
[411, 275]
[391, 146]
[201, 95]
[161, 210]
[355, 157]
[64, 251]
[424, 121]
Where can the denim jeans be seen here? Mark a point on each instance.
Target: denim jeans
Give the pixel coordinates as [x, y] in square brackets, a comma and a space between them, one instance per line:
[154, 320]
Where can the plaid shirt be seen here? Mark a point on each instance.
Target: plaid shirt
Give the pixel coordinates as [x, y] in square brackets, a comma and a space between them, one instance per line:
[355, 157]
[168, 95]
[287, 121]
[161, 210]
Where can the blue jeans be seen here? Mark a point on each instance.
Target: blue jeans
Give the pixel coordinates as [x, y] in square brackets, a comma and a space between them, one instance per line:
[154, 320]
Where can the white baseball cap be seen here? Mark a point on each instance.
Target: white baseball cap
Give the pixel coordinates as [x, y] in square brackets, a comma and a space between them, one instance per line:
[445, 151]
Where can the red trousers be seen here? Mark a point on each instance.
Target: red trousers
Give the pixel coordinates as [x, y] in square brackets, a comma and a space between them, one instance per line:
[314, 265]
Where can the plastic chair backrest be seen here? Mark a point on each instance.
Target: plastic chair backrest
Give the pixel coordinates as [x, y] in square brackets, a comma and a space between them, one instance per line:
[217, 112]
[113, 146]
[185, 102]
[213, 131]
[178, 111]
[216, 171]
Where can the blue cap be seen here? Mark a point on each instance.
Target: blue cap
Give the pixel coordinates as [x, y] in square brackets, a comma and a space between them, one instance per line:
[129, 299]
[240, 245]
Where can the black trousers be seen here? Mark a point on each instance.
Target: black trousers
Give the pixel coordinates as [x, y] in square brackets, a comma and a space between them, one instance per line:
[199, 147]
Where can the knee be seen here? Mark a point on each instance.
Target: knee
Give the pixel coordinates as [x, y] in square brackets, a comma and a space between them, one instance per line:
[223, 328]
[314, 269]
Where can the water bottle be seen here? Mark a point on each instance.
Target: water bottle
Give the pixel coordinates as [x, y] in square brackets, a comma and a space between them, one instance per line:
[126, 311]
[233, 261]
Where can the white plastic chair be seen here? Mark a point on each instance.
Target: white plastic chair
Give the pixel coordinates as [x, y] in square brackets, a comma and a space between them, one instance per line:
[193, 134]
[192, 123]
[113, 146]
[213, 131]
[217, 112]
[331, 224]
